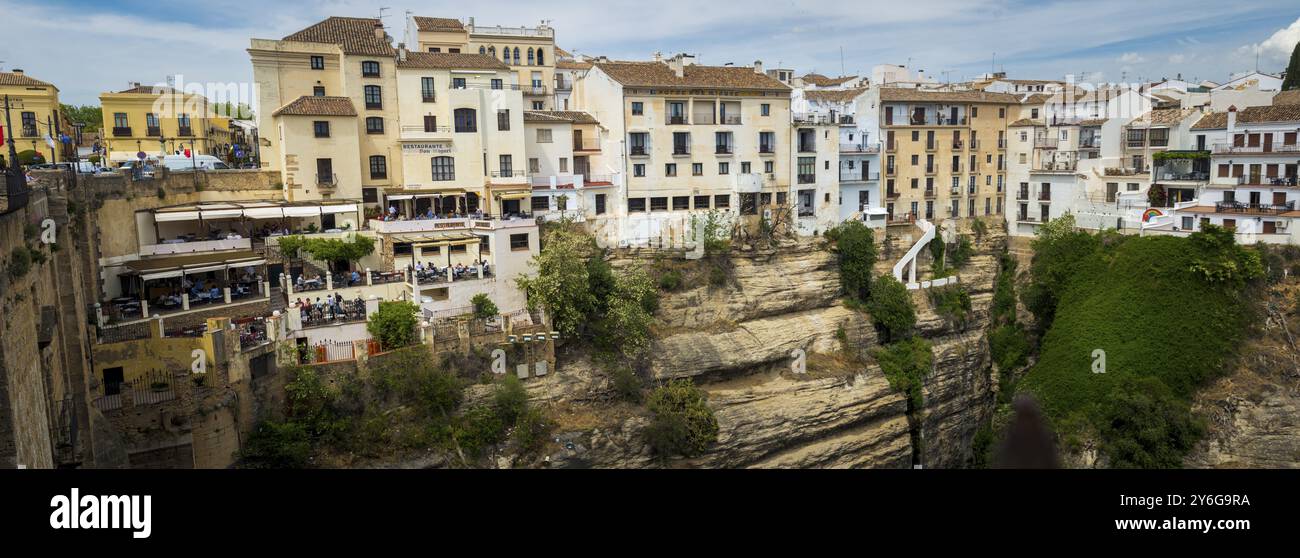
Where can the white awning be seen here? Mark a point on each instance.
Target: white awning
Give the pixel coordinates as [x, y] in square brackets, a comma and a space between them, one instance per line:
[301, 211]
[176, 216]
[399, 197]
[221, 213]
[160, 275]
[341, 208]
[264, 213]
[205, 269]
[238, 265]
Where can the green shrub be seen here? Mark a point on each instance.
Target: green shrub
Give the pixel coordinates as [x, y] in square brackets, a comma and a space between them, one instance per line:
[20, 262]
[1009, 347]
[394, 324]
[626, 383]
[951, 302]
[1143, 426]
[856, 246]
[479, 428]
[532, 430]
[276, 445]
[683, 423]
[905, 364]
[671, 280]
[892, 308]
[484, 308]
[961, 252]
[510, 399]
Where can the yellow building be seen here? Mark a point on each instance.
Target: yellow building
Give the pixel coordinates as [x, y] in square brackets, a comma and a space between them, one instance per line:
[154, 120]
[35, 115]
[529, 51]
[945, 151]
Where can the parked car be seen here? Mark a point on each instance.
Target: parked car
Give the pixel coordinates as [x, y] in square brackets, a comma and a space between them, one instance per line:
[181, 163]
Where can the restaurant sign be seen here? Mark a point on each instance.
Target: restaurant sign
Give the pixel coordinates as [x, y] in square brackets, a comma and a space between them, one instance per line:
[426, 148]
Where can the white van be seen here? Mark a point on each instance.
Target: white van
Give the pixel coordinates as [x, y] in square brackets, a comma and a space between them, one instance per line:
[178, 163]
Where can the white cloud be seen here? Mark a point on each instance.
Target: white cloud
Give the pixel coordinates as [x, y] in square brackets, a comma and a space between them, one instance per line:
[1131, 58]
[1279, 45]
[1177, 58]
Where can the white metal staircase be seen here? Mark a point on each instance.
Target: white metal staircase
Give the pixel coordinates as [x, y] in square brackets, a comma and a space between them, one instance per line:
[909, 261]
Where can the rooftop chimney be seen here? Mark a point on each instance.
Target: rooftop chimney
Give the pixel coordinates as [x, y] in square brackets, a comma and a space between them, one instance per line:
[1232, 118]
[758, 66]
[18, 71]
[676, 64]
[379, 30]
[658, 56]
[401, 52]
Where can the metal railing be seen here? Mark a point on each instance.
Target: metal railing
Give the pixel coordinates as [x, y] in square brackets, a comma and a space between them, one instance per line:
[1255, 179]
[638, 151]
[678, 120]
[730, 119]
[1260, 208]
[121, 131]
[858, 176]
[328, 180]
[1228, 148]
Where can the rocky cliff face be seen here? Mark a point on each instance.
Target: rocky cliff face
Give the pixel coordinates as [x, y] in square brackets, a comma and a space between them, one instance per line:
[1253, 413]
[736, 343]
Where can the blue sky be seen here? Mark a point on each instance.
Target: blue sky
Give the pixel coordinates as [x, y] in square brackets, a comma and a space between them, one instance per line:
[89, 47]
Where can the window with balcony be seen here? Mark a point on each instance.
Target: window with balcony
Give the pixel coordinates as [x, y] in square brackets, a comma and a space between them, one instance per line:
[183, 127]
[676, 112]
[325, 172]
[444, 168]
[807, 170]
[681, 143]
[430, 123]
[370, 69]
[767, 142]
[152, 124]
[321, 128]
[506, 165]
[378, 167]
[722, 143]
[637, 143]
[466, 120]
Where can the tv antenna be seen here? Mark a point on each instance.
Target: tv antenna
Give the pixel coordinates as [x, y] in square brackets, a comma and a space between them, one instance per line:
[382, 9]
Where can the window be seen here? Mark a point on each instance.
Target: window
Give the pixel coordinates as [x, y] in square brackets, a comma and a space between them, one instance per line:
[768, 166]
[374, 125]
[636, 205]
[518, 242]
[538, 105]
[322, 128]
[564, 164]
[458, 83]
[765, 109]
[496, 83]
[638, 143]
[530, 57]
[1002, 113]
[430, 123]
[744, 167]
[681, 143]
[503, 119]
[600, 204]
[466, 120]
[482, 50]
[435, 49]
[444, 168]
[506, 165]
[325, 171]
[369, 68]
[638, 169]
[697, 169]
[183, 123]
[724, 168]
[974, 112]
[454, 50]
[426, 90]
[318, 91]
[378, 166]
[681, 203]
[807, 170]
[374, 100]
[318, 62]
[150, 121]
[541, 60]
[534, 165]
[543, 135]
[701, 202]
[780, 198]
[541, 203]
[659, 204]
[748, 204]
[722, 201]
[637, 108]
[670, 169]
[767, 142]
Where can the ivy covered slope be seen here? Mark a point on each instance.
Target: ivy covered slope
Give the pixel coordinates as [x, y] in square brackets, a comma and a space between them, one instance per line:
[1169, 313]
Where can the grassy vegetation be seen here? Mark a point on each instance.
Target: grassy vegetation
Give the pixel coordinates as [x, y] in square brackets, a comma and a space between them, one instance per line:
[906, 363]
[682, 424]
[1167, 311]
[407, 403]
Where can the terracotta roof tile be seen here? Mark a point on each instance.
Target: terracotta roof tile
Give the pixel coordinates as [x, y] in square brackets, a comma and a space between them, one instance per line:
[911, 94]
[354, 34]
[823, 81]
[1291, 97]
[1026, 122]
[150, 90]
[447, 60]
[10, 78]
[833, 95]
[572, 65]
[658, 74]
[1250, 115]
[309, 105]
[437, 24]
[574, 116]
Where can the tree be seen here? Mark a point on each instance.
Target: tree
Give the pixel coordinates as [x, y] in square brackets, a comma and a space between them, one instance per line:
[561, 283]
[394, 324]
[856, 246]
[625, 327]
[1144, 426]
[891, 306]
[1292, 80]
[330, 250]
[1059, 250]
[91, 117]
[683, 423]
[906, 364]
[484, 308]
